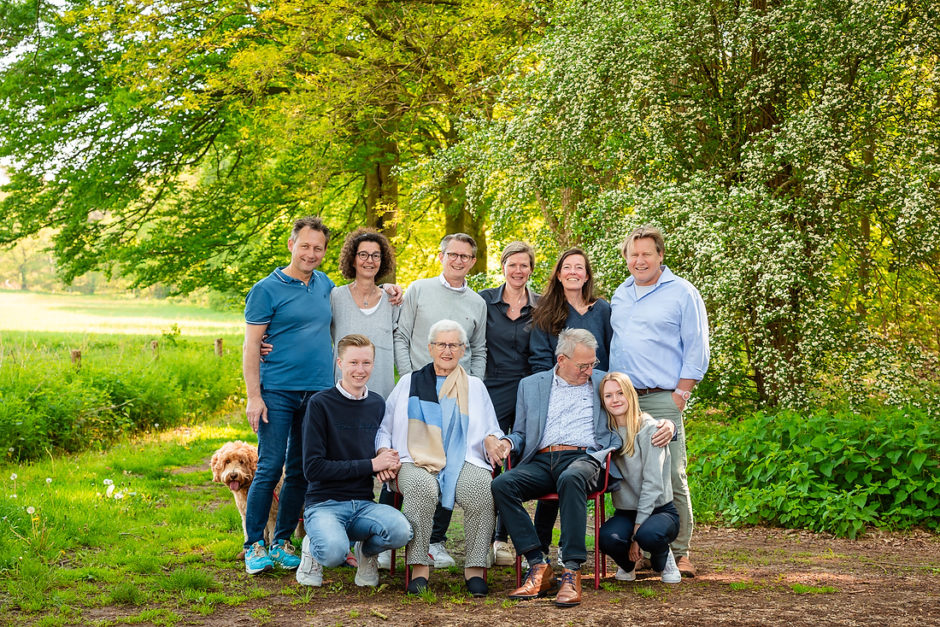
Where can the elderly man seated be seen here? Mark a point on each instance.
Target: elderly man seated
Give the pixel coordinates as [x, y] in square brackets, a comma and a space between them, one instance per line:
[562, 440]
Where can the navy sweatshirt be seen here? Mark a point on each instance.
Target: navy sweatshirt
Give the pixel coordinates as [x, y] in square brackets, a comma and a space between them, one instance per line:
[339, 444]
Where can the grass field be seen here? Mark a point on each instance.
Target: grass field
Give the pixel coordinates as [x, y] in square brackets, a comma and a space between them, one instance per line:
[28, 311]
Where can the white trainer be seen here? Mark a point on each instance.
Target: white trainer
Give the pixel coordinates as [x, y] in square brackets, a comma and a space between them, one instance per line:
[440, 556]
[503, 555]
[367, 573]
[671, 572]
[623, 575]
[310, 571]
[385, 560]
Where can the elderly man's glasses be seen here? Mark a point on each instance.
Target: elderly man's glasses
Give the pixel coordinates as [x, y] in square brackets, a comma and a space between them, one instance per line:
[461, 256]
[443, 346]
[364, 256]
[586, 367]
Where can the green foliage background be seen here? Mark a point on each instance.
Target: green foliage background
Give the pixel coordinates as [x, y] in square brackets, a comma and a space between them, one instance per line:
[788, 150]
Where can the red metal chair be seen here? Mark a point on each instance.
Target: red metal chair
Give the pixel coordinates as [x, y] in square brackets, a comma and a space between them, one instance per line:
[600, 560]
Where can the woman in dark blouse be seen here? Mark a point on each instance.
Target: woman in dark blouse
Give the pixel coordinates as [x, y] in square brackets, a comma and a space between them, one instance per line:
[508, 323]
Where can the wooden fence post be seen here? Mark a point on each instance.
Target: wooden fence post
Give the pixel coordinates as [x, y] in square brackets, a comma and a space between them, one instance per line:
[76, 358]
[218, 347]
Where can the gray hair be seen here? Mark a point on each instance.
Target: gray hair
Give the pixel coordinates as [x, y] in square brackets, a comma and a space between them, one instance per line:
[569, 338]
[460, 237]
[443, 326]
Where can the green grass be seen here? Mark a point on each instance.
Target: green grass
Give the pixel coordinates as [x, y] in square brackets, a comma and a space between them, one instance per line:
[803, 589]
[168, 542]
[29, 311]
[121, 386]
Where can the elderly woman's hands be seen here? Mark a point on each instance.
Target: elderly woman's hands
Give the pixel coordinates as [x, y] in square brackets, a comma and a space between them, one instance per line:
[497, 450]
[386, 464]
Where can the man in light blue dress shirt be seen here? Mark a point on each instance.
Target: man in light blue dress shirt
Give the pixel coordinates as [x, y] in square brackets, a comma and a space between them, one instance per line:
[660, 341]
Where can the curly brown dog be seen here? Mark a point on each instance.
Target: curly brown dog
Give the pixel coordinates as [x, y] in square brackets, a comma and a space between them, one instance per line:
[234, 465]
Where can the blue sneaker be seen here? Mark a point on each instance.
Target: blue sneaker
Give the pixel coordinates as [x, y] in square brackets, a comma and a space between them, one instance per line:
[257, 559]
[282, 554]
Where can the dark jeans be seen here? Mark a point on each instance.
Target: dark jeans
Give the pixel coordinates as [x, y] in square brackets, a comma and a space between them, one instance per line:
[654, 535]
[572, 474]
[280, 450]
[545, 514]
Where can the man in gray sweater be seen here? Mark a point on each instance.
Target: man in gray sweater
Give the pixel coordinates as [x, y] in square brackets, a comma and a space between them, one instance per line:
[444, 297]
[428, 301]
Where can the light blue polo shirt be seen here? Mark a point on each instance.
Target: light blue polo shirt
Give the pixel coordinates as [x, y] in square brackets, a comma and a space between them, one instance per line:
[298, 318]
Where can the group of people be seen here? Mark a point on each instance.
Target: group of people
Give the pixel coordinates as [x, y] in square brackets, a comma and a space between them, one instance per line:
[559, 383]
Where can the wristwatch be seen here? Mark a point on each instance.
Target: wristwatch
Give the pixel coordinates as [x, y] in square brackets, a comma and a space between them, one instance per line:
[684, 394]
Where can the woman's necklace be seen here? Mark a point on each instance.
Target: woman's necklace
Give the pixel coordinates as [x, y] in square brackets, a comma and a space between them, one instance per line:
[519, 304]
[365, 297]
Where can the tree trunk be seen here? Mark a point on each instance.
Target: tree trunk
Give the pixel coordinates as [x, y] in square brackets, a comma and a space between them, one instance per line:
[457, 219]
[381, 193]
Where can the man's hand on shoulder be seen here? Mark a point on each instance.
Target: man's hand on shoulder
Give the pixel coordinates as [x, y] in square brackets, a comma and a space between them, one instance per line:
[396, 295]
[666, 429]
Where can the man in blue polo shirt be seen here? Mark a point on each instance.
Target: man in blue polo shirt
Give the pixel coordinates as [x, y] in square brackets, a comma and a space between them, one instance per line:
[661, 342]
[292, 307]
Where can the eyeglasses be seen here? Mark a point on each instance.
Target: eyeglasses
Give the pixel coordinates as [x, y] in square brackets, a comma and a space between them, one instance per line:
[443, 346]
[586, 367]
[364, 256]
[461, 256]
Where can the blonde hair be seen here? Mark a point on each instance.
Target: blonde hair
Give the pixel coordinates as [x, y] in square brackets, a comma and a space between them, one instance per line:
[633, 410]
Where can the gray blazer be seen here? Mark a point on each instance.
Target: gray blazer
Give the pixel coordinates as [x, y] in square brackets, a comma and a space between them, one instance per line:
[532, 410]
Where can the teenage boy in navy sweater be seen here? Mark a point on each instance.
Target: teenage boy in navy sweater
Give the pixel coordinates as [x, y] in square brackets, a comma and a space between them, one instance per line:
[339, 464]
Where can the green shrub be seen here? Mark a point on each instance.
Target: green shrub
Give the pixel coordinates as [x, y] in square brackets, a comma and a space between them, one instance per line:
[47, 403]
[836, 472]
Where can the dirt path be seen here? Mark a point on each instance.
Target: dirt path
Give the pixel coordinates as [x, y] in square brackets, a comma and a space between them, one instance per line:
[746, 577]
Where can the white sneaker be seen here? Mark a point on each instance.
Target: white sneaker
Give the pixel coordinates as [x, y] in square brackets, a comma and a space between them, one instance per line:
[671, 572]
[385, 560]
[623, 575]
[367, 574]
[502, 554]
[310, 571]
[440, 556]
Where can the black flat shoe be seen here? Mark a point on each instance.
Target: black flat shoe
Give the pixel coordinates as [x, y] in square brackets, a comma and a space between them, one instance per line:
[417, 585]
[477, 587]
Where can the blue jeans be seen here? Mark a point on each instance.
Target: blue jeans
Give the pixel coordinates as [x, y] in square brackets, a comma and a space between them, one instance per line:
[280, 449]
[653, 536]
[332, 525]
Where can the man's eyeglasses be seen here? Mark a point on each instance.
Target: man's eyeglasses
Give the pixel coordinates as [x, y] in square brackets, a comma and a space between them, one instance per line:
[443, 346]
[461, 256]
[364, 256]
[586, 367]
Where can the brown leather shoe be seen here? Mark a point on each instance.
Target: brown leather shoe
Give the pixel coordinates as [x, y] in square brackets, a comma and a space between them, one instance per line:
[538, 582]
[685, 566]
[570, 593]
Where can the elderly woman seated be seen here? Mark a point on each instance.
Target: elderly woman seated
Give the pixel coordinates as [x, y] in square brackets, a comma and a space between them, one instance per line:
[442, 423]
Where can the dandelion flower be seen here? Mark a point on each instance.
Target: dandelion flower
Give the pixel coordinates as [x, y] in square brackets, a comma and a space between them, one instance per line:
[48, 479]
[108, 482]
[13, 477]
[30, 510]
[110, 490]
[10, 450]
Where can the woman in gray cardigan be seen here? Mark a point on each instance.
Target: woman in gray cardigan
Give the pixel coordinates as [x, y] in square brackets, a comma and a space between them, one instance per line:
[645, 517]
[363, 307]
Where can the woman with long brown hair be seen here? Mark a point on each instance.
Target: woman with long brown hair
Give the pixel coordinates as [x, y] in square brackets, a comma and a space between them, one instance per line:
[568, 301]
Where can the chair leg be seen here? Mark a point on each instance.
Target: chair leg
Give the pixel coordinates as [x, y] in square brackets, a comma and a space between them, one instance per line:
[518, 570]
[391, 568]
[407, 570]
